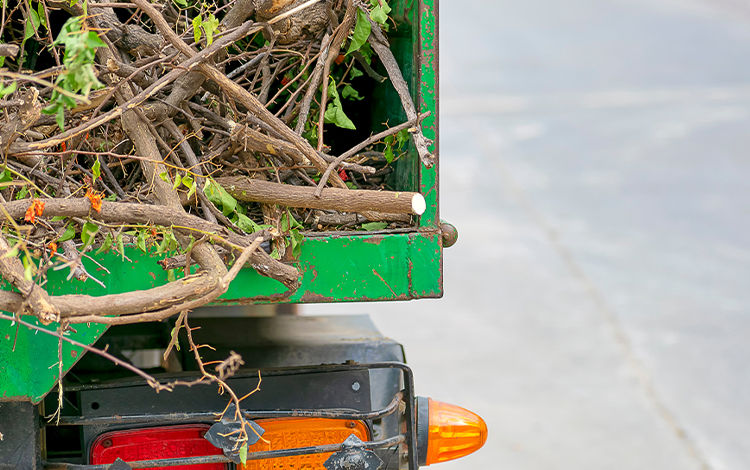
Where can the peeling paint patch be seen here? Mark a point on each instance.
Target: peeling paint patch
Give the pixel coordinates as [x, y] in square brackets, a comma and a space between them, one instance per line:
[374, 240]
[313, 298]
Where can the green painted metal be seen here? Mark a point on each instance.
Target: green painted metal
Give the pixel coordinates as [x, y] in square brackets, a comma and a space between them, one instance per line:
[334, 268]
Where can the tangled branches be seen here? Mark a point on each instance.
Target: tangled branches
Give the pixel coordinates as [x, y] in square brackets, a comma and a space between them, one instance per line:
[205, 131]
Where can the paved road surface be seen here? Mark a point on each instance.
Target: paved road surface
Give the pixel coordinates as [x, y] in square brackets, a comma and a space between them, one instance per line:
[596, 160]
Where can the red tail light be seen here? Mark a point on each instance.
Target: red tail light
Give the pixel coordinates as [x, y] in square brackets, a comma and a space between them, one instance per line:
[156, 443]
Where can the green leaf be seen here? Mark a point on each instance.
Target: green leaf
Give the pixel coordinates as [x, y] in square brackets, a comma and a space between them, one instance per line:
[111, 198]
[60, 118]
[70, 232]
[388, 154]
[171, 278]
[29, 31]
[181, 3]
[210, 26]
[120, 246]
[355, 72]
[96, 169]
[350, 93]
[295, 242]
[28, 268]
[246, 224]
[177, 181]
[93, 40]
[335, 115]
[5, 176]
[243, 453]
[374, 226]
[197, 28]
[403, 137]
[22, 193]
[288, 222]
[106, 245]
[7, 90]
[13, 252]
[164, 176]
[73, 2]
[88, 233]
[189, 183]
[40, 12]
[379, 14]
[361, 32]
[220, 197]
[35, 20]
[140, 241]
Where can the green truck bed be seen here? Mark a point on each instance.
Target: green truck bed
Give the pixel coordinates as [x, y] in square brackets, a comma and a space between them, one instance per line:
[335, 267]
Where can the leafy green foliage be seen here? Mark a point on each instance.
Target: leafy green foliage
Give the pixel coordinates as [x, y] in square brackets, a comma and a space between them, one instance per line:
[96, 169]
[243, 453]
[220, 197]
[210, 26]
[79, 76]
[350, 93]
[5, 176]
[379, 12]
[335, 113]
[230, 207]
[397, 142]
[106, 245]
[88, 234]
[22, 193]
[168, 243]
[197, 33]
[361, 32]
[120, 246]
[7, 90]
[374, 226]
[69, 233]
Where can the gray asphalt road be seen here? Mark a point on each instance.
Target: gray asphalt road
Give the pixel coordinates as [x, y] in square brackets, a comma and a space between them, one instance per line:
[595, 158]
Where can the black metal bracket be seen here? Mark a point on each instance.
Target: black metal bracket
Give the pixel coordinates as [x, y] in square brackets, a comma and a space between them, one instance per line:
[353, 456]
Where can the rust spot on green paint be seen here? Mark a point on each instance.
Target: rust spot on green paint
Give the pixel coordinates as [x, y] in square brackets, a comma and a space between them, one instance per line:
[313, 297]
[375, 239]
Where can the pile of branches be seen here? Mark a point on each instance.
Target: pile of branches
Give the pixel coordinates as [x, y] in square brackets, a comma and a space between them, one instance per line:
[198, 128]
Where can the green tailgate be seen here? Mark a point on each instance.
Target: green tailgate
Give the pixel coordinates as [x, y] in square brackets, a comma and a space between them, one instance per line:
[334, 268]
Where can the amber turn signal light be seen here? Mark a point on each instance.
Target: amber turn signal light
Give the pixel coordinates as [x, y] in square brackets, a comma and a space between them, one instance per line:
[447, 432]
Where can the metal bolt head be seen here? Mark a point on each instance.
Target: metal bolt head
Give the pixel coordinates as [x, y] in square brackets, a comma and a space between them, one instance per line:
[449, 234]
[356, 386]
[107, 443]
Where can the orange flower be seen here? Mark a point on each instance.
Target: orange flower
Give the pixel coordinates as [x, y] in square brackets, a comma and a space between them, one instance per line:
[35, 209]
[96, 200]
[339, 59]
[52, 246]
